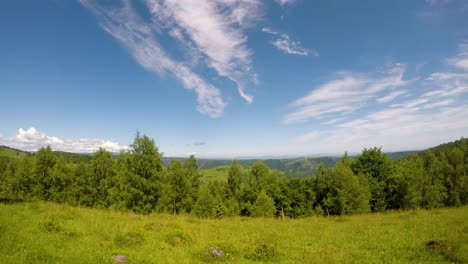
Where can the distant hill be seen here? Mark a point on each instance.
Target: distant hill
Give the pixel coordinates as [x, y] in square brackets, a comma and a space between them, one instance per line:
[301, 166]
[7, 152]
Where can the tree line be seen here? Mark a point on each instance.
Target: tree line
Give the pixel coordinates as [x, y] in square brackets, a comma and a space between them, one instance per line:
[137, 180]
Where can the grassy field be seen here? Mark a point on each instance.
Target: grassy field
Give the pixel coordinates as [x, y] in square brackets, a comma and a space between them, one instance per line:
[51, 233]
[219, 173]
[10, 153]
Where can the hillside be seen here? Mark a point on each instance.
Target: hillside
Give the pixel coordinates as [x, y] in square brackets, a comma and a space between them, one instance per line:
[50, 233]
[7, 152]
[11, 152]
[297, 167]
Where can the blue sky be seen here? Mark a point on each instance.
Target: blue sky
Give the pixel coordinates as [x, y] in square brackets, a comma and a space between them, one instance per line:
[230, 78]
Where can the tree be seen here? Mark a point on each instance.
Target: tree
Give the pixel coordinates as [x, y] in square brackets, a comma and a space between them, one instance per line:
[234, 177]
[379, 168]
[191, 167]
[346, 193]
[137, 184]
[17, 182]
[455, 180]
[409, 182]
[44, 161]
[206, 203]
[179, 192]
[264, 206]
[99, 180]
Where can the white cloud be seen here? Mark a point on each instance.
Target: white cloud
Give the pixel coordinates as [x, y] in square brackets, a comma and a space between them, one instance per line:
[211, 32]
[347, 93]
[32, 140]
[285, 2]
[394, 128]
[461, 60]
[307, 137]
[216, 29]
[391, 96]
[415, 122]
[285, 44]
[333, 121]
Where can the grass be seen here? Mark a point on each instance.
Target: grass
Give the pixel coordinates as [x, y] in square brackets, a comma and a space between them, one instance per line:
[219, 173]
[10, 153]
[51, 233]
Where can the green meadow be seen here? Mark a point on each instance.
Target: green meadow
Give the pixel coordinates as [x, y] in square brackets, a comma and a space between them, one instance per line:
[40, 232]
[215, 174]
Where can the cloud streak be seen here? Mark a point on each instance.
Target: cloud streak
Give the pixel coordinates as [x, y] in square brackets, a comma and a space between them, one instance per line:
[285, 2]
[416, 121]
[31, 140]
[345, 94]
[288, 46]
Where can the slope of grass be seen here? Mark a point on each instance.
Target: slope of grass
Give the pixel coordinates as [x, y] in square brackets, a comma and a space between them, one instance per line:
[51, 233]
[10, 152]
[219, 173]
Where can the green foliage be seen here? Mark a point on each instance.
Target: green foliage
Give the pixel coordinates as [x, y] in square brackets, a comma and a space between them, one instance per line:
[138, 180]
[234, 177]
[137, 184]
[264, 206]
[206, 203]
[409, 182]
[342, 191]
[179, 191]
[379, 168]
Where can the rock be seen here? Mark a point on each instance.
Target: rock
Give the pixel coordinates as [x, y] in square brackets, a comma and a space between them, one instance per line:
[120, 259]
[216, 252]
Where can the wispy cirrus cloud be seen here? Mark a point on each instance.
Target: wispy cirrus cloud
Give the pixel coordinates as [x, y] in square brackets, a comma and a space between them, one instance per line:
[211, 33]
[391, 96]
[31, 140]
[345, 94]
[461, 60]
[410, 126]
[416, 121]
[285, 44]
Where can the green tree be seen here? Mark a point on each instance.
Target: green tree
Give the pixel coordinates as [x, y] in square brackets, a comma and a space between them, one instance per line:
[17, 181]
[99, 180]
[264, 206]
[179, 192]
[455, 177]
[346, 193]
[137, 184]
[193, 174]
[206, 203]
[44, 161]
[409, 182]
[379, 168]
[234, 177]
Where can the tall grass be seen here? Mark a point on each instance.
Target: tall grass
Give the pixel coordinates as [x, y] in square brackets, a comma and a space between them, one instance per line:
[51, 233]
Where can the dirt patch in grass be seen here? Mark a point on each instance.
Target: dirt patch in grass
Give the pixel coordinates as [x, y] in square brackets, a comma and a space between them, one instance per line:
[446, 248]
